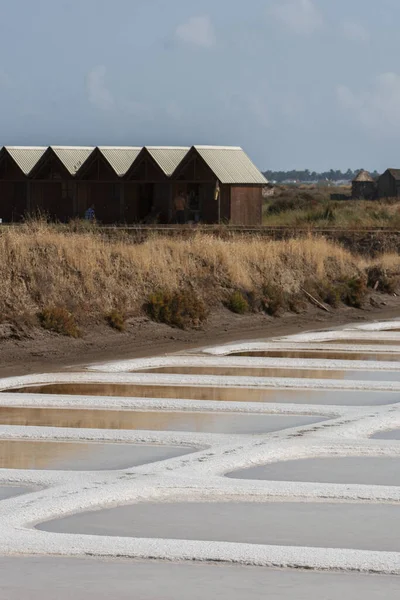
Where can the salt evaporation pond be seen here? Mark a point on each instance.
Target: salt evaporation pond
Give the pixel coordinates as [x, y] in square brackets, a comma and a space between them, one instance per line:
[80, 456]
[382, 470]
[210, 393]
[88, 579]
[321, 354]
[9, 491]
[154, 421]
[344, 375]
[324, 525]
[390, 434]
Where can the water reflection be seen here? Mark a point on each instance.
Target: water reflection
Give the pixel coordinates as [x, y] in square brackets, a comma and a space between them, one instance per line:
[324, 354]
[153, 421]
[221, 394]
[79, 456]
[335, 525]
[280, 372]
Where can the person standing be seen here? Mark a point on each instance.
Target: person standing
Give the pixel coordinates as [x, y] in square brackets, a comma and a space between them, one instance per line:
[90, 214]
[180, 207]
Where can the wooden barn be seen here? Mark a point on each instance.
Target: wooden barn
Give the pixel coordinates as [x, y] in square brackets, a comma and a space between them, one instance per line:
[389, 184]
[131, 184]
[149, 195]
[100, 183]
[52, 181]
[16, 163]
[221, 185]
[364, 186]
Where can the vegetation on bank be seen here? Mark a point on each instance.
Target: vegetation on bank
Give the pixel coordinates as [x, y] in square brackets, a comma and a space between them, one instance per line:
[63, 280]
[311, 207]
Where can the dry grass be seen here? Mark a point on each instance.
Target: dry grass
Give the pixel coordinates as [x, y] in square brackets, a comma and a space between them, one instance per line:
[89, 276]
[313, 208]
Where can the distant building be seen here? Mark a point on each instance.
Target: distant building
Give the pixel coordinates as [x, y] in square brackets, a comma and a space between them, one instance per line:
[363, 186]
[389, 184]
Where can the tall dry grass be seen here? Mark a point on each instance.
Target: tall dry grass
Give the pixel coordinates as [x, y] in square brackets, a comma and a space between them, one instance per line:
[45, 266]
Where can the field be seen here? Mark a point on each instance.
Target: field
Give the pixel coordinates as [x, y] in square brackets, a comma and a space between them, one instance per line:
[63, 280]
[312, 207]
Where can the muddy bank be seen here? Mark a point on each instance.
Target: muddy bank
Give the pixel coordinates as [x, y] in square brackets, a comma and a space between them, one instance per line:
[45, 351]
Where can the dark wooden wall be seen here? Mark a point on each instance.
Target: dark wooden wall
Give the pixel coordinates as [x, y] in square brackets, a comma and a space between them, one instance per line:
[387, 187]
[246, 205]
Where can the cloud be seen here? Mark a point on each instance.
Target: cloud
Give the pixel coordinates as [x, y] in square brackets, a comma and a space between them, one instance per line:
[198, 31]
[97, 91]
[355, 32]
[299, 16]
[376, 109]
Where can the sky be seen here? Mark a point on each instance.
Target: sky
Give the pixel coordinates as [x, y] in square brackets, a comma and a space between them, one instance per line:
[297, 83]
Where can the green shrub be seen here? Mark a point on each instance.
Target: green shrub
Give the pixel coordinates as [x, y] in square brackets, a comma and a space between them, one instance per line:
[273, 299]
[237, 303]
[116, 320]
[59, 320]
[181, 309]
[354, 291]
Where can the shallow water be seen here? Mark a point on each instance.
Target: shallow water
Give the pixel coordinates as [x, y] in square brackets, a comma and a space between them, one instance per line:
[154, 421]
[390, 434]
[322, 354]
[80, 456]
[220, 394]
[90, 579]
[9, 491]
[333, 525]
[361, 342]
[380, 470]
[345, 375]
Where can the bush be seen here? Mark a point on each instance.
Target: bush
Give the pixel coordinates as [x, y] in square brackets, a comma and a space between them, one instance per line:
[273, 299]
[181, 309]
[237, 303]
[59, 320]
[116, 320]
[379, 279]
[354, 292]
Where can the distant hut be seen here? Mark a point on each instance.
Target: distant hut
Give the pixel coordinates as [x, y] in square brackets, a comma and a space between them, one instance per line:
[389, 184]
[363, 186]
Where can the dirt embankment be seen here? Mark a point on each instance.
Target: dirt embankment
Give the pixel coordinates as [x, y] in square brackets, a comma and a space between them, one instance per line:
[112, 297]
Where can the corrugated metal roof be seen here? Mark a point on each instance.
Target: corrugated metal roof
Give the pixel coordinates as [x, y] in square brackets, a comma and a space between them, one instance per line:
[231, 165]
[168, 158]
[72, 157]
[26, 157]
[120, 159]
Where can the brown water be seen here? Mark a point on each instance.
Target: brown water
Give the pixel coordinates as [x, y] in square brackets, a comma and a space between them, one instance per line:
[380, 470]
[153, 421]
[10, 491]
[281, 372]
[80, 456]
[324, 354]
[362, 342]
[222, 394]
[327, 525]
[60, 578]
